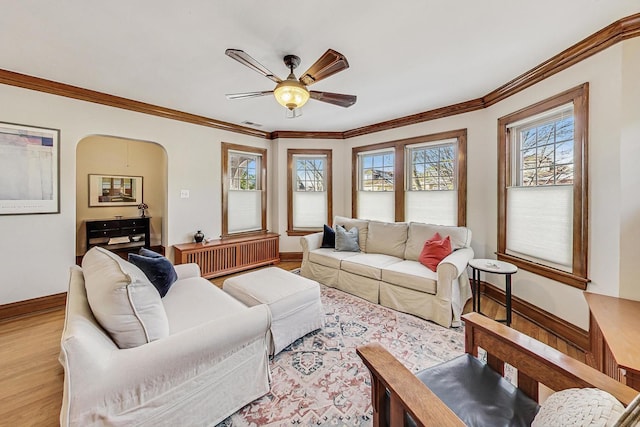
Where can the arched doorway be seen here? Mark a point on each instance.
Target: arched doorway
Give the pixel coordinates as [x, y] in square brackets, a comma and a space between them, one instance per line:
[120, 159]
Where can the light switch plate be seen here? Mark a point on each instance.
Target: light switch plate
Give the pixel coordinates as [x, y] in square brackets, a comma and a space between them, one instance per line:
[184, 194]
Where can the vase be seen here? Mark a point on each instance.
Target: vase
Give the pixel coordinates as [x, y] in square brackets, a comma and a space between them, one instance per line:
[198, 237]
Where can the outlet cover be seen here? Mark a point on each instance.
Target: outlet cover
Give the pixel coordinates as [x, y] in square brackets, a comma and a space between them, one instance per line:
[184, 194]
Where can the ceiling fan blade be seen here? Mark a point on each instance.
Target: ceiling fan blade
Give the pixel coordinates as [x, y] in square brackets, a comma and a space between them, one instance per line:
[246, 95]
[334, 98]
[242, 57]
[330, 63]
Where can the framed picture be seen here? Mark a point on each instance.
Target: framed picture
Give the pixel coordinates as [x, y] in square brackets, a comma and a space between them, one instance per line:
[29, 170]
[114, 190]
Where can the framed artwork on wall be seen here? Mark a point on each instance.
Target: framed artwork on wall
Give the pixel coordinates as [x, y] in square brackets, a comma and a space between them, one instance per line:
[29, 169]
[114, 190]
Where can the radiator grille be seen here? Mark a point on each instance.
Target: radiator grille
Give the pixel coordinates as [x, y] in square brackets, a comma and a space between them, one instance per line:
[223, 258]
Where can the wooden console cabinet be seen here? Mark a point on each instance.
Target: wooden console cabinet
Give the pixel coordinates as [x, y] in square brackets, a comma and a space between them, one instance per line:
[101, 231]
[615, 337]
[225, 256]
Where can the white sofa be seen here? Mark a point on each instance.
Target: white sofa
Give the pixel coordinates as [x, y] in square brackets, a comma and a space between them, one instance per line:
[213, 361]
[387, 271]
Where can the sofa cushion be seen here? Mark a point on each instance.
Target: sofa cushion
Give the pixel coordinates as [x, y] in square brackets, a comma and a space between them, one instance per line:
[389, 238]
[411, 275]
[328, 237]
[347, 241]
[420, 233]
[195, 301]
[435, 250]
[349, 223]
[368, 265]
[329, 257]
[158, 270]
[123, 300]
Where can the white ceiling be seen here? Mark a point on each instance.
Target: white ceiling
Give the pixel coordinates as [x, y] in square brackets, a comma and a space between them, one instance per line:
[405, 57]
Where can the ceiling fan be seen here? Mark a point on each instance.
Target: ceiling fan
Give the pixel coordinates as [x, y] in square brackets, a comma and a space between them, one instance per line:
[292, 93]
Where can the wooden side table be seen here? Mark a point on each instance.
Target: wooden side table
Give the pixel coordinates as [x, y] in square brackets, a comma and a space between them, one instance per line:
[495, 267]
[614, 336]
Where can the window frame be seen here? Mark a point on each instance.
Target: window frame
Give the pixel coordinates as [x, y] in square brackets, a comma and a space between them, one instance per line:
[291, 152]
[227, 148]
[579, 96]
[400, 184]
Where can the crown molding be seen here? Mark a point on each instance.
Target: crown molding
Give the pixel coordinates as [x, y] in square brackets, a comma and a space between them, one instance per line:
[620, 30]
[61, 89]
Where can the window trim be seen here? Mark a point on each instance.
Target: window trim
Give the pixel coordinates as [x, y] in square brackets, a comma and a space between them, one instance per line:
[399, 170]
[226, 149]
[579, 96]
[291, 152]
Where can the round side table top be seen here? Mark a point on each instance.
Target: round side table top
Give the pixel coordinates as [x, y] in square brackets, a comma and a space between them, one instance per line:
[493, 266]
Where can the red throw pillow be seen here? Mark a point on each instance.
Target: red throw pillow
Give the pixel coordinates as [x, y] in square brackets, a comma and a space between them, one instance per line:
[435, 250]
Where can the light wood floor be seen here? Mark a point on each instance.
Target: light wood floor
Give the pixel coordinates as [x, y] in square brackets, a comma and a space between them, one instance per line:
[31, 377]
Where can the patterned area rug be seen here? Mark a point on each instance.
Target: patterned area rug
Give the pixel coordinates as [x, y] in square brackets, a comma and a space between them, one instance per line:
[319, 379]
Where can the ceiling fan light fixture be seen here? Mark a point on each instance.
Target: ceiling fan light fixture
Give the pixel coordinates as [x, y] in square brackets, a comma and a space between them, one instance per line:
[291, 94]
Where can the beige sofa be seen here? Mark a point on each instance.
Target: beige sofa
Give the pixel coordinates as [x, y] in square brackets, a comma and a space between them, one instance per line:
[213, 361]
[387, 271]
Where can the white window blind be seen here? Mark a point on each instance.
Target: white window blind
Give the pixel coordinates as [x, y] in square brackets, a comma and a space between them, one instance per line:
[433, 207]
[540, 224]
[309, 209]
[245, 210]
[376, 205]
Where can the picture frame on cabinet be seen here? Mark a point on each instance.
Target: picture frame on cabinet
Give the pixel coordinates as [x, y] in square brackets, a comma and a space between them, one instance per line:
[114, 190]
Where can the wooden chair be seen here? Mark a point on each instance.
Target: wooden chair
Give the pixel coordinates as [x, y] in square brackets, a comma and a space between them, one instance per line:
[537, 363]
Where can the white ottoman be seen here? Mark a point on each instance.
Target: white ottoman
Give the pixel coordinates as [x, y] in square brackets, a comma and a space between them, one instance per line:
[294, 302]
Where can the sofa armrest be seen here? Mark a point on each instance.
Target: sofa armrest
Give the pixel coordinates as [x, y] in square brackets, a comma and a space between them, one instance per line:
[458, 259]
[450, 269]
[310, 242]
[104, 372]
[186, 271]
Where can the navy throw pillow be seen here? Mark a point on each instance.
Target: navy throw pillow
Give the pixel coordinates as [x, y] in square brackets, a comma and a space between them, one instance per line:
[328, 237]
[149, 253]
[158, 270]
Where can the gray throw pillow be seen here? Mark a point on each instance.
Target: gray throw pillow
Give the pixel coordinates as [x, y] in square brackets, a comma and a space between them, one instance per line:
[347, 241]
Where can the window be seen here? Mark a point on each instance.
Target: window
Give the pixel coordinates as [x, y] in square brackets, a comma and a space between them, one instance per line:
[309, 188]
[376, 198]
[543, 188]
[432, 184]
[244, 195]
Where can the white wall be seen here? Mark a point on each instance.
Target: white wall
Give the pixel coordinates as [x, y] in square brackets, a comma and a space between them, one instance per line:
[604, 74]
[629, 174]
[37, 250]
[47, 241]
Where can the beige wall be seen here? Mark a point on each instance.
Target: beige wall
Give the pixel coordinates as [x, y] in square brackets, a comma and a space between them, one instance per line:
[106, 155]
